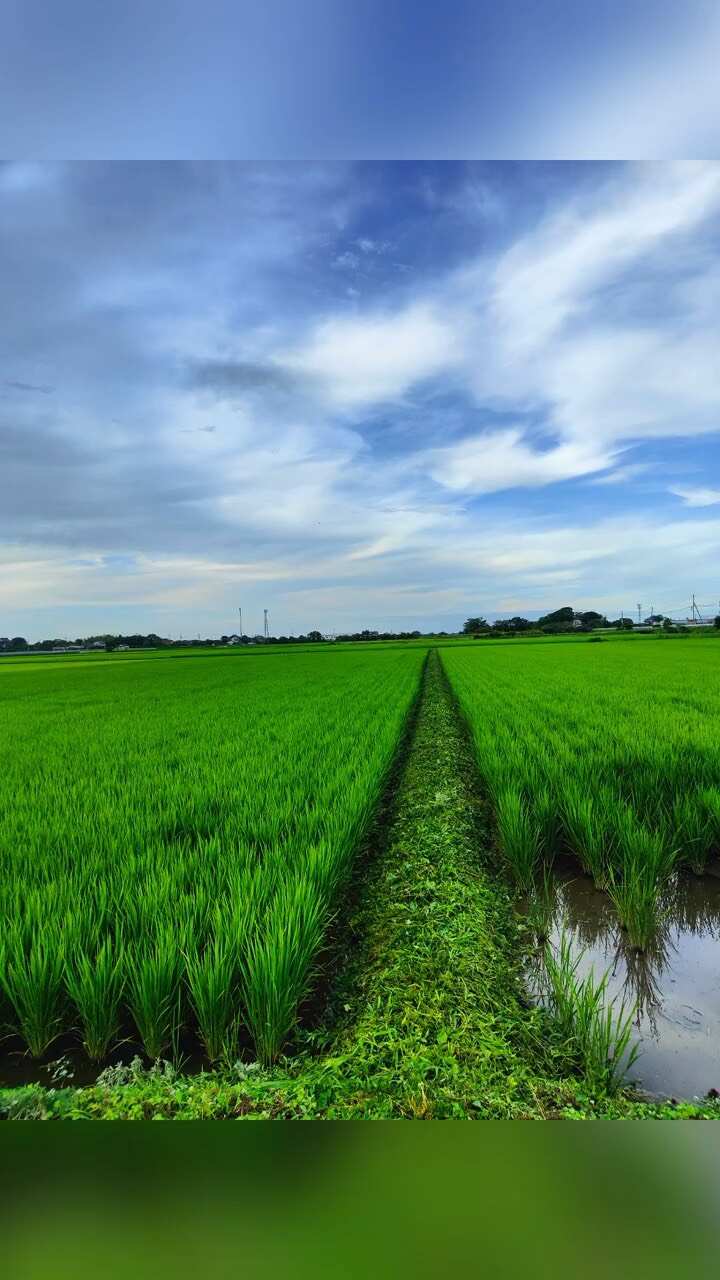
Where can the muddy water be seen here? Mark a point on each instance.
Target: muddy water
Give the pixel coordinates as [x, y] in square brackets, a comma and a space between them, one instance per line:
[676, 984]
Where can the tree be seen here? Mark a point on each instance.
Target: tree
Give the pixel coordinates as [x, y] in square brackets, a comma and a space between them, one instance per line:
[512, 624]
[314, 636]
[716, 622]
[591, 619]
[559, 620]
[18, 642]
[472, 625]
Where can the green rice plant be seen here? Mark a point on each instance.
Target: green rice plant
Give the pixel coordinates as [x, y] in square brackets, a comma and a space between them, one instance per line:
[596, 1032]
[634, 893]
[586, 829]
[211, 982]
[153, 970]
[518, 835]
[276, 966]
[709, 798]
[32, 978]
[548, 819]
[94, 983]
[542, 903]
[645, 865]
[693, 821]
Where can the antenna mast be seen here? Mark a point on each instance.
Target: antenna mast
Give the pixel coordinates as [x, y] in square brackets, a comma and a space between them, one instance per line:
[267, 628]
[241, 630]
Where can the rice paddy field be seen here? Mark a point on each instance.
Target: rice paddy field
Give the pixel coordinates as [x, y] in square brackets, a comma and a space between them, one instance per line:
[184, 867]
[608, 752]
[602, 764]
[173, 836]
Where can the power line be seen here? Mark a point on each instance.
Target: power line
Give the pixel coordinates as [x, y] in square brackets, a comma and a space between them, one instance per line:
[690, 612]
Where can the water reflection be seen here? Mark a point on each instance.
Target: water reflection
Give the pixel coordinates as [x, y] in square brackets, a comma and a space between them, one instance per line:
[675, 984]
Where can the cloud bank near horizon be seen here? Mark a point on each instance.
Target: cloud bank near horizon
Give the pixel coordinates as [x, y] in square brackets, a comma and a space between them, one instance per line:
[377, 394]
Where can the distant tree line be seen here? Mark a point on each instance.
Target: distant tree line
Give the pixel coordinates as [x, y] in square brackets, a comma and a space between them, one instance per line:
[555, 623]
[566, 620]
[18, 644]
[317, 637]
[107, 641]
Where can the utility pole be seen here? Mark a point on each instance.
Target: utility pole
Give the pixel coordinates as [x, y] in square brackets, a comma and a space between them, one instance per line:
[639, 612]
[241, 630]
[267, 629]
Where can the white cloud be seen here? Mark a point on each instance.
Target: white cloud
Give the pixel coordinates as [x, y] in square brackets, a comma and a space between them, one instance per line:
[603, 320]
[621, 475]
[598, 557]
[366, 245]
[364, 360]
[347, 261]
[531, 330]
[549, 277]
[503, 460]
[698, 497]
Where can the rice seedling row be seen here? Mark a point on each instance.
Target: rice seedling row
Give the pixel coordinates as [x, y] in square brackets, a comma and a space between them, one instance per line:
[611, 752]
[173, 837]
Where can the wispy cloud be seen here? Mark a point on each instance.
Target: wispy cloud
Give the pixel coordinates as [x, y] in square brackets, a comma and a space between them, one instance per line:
[503, 460]
[698, 497]
[623, 474]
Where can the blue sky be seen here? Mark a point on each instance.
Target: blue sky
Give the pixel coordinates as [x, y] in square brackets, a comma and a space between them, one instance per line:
[384, 394]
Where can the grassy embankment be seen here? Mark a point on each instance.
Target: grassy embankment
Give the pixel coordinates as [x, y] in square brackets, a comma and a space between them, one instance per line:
[424, 1016]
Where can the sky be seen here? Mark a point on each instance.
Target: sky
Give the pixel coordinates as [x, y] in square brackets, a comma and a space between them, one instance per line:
[380, 394]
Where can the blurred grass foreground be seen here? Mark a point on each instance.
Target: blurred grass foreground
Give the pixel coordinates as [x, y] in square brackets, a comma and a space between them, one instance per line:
[354, 1200]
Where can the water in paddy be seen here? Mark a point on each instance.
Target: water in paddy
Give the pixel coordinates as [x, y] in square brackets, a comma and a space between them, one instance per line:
[676, 983]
